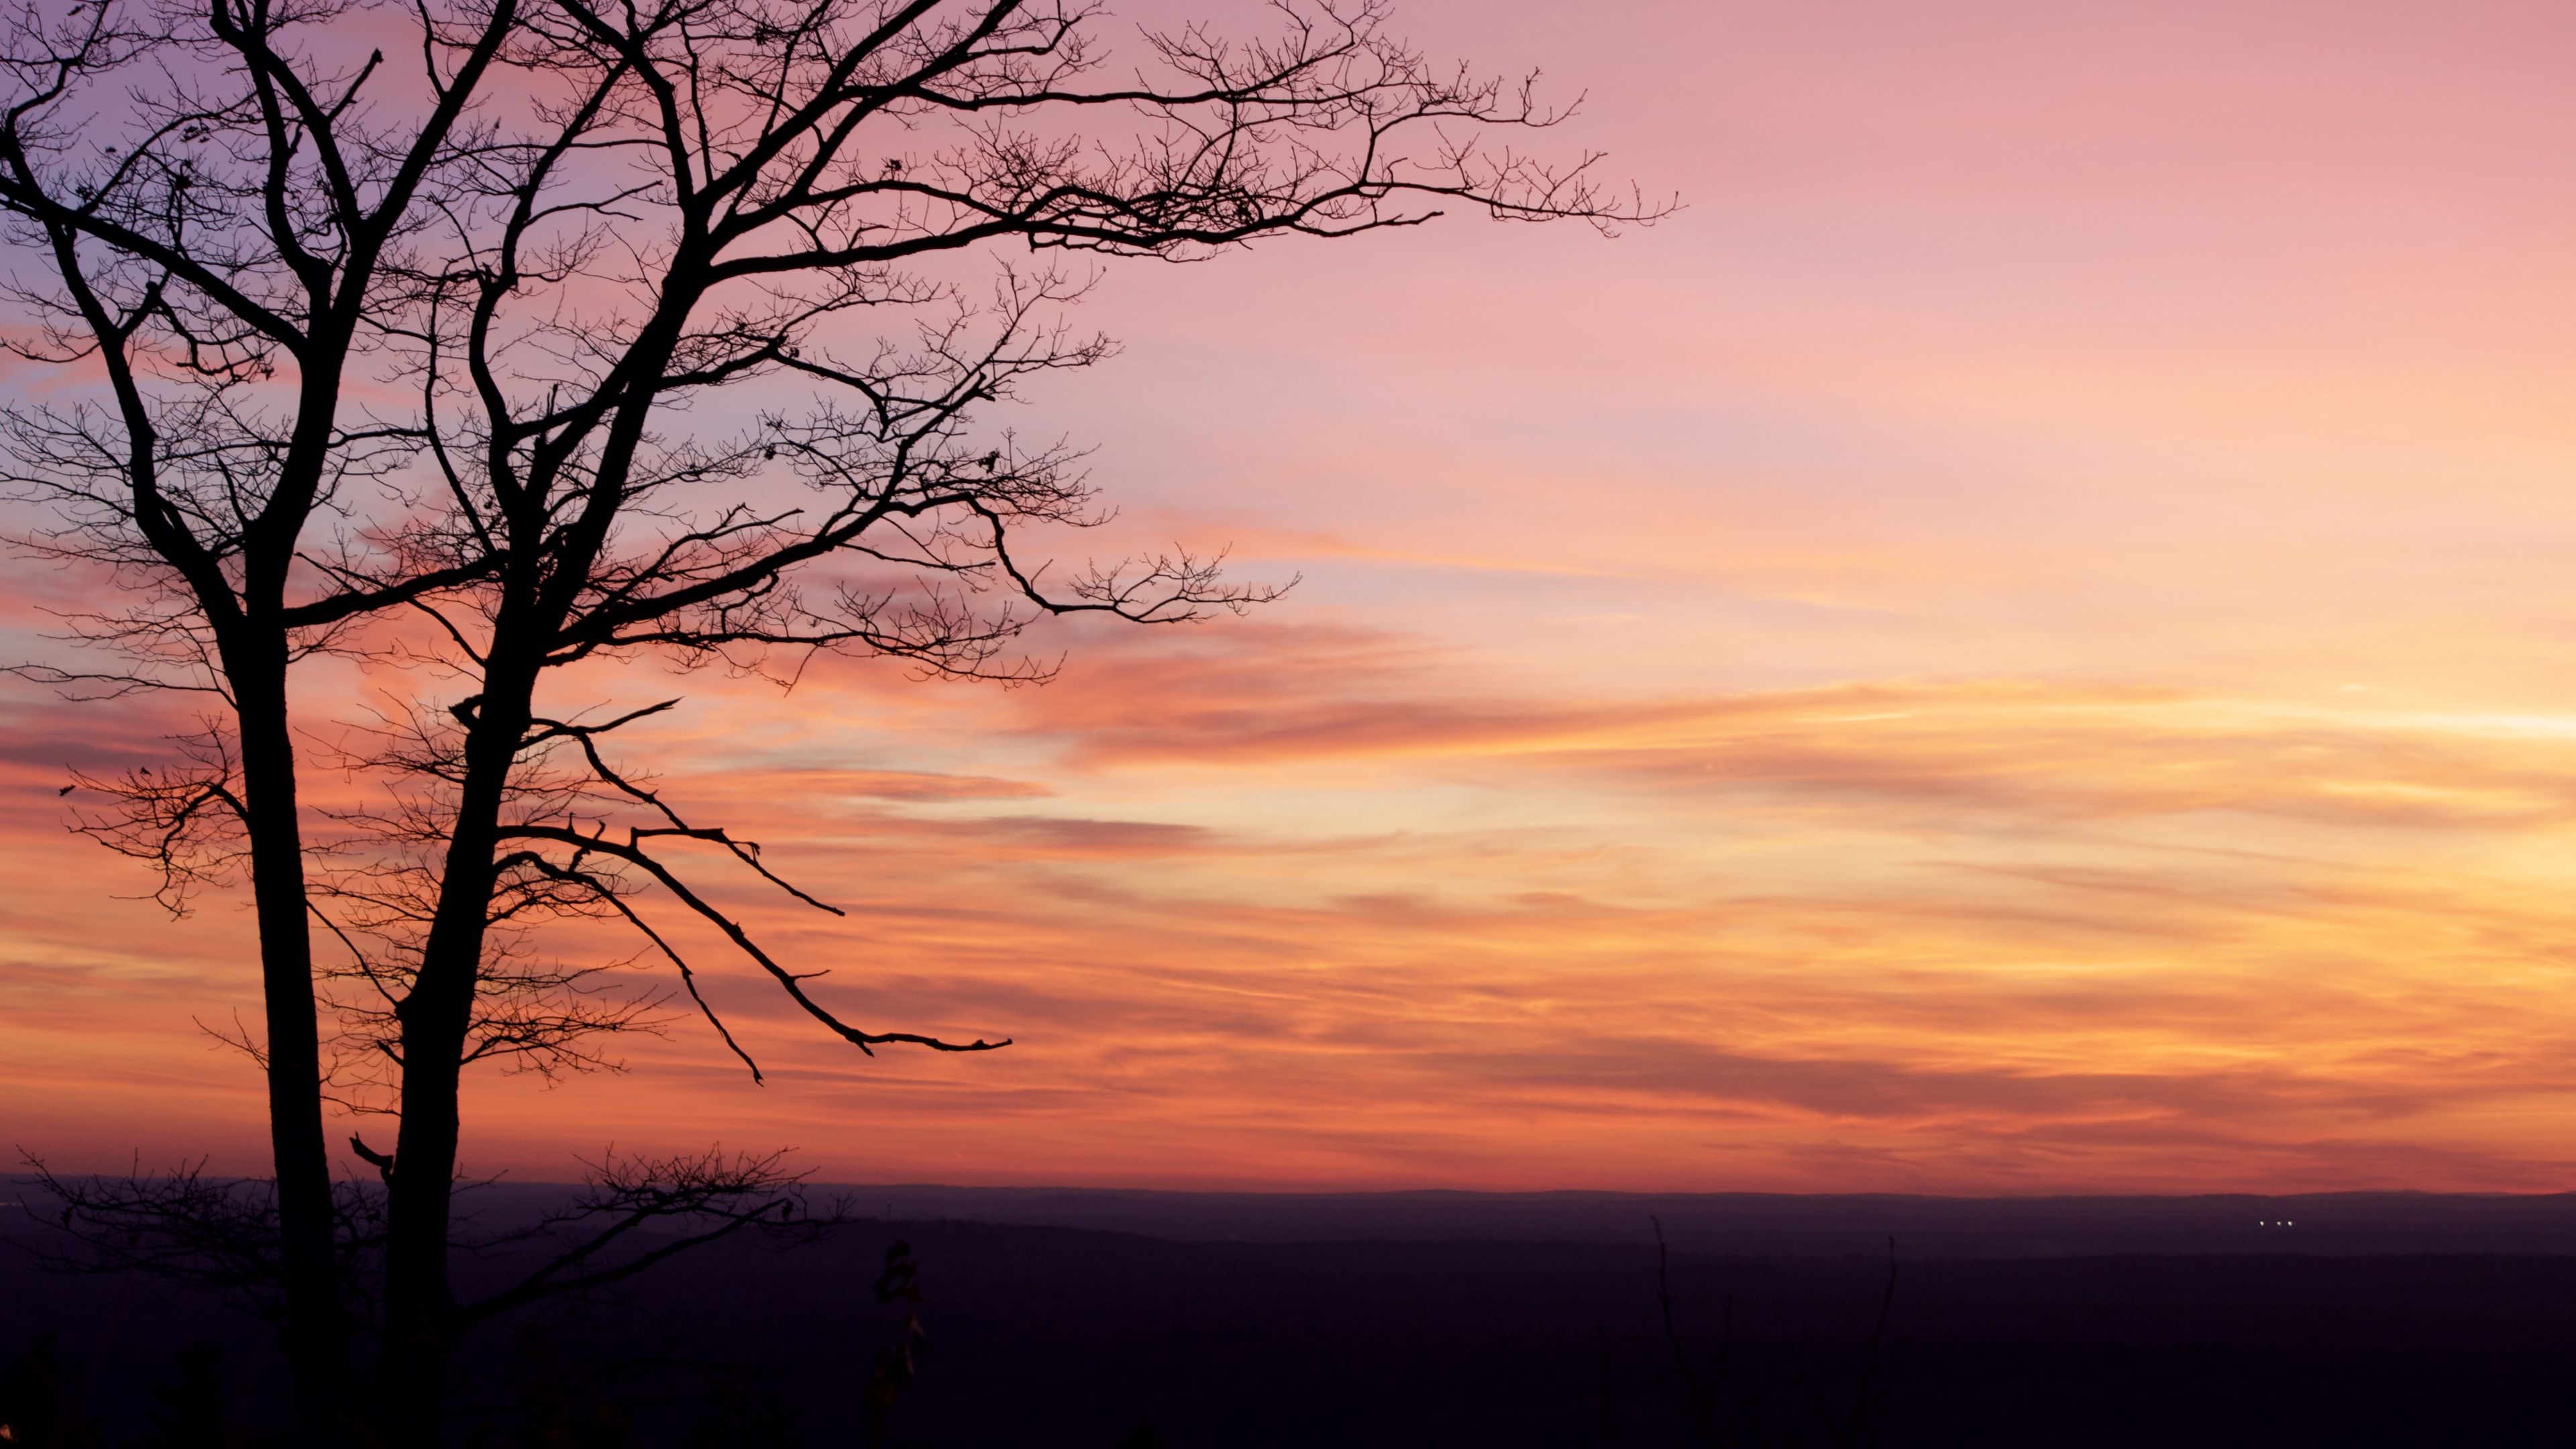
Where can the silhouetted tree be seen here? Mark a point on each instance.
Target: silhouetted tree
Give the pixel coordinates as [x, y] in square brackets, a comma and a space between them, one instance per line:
[394, 357]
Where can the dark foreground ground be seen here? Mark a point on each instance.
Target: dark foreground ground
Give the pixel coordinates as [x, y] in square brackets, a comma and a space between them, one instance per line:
[1171, 1320]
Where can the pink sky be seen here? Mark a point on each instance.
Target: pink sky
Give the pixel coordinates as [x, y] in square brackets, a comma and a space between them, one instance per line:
[2022, 642]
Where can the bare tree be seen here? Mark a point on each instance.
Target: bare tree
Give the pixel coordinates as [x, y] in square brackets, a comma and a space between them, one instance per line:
[399, 358]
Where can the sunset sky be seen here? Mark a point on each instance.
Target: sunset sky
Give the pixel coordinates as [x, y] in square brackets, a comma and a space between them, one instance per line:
[2025, 641]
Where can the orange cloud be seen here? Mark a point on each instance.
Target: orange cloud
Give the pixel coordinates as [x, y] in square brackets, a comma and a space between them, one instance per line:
[1978, 934]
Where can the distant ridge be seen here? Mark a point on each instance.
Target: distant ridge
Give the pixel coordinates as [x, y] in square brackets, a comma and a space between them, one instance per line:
[1774, 1223]
[1746, 1224]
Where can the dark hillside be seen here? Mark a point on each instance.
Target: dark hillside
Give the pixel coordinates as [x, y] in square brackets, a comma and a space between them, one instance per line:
[1057, 1335]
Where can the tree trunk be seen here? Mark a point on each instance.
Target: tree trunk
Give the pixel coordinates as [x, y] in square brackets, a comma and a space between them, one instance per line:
[314, 1331]
[436, 1016]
